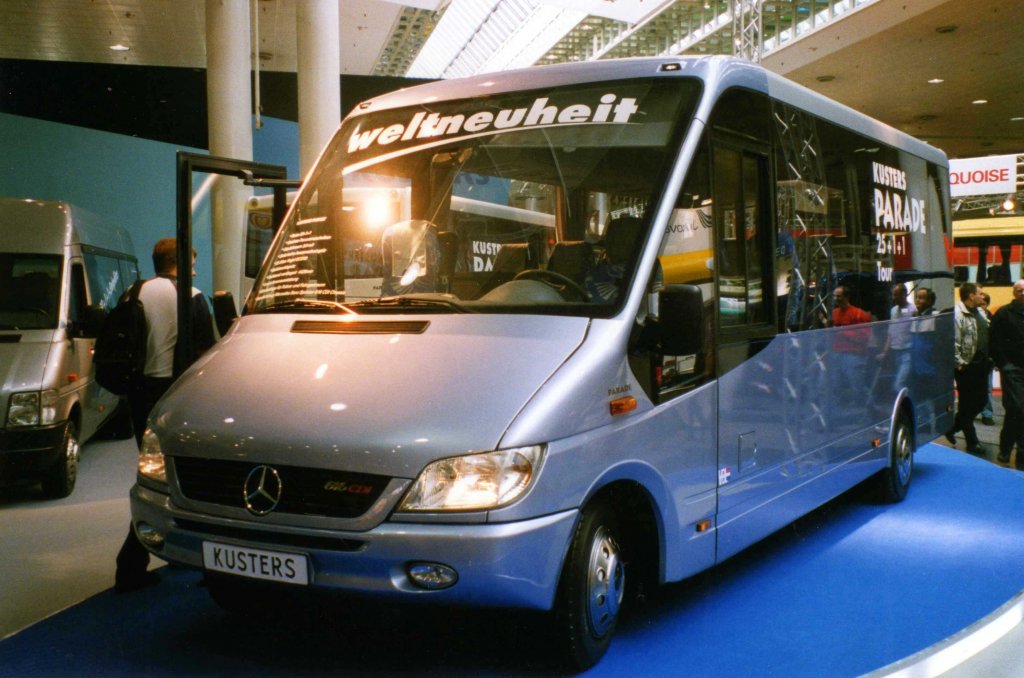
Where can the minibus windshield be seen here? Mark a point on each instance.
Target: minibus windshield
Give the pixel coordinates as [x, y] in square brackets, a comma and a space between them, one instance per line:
[29, 291]
[515, 202]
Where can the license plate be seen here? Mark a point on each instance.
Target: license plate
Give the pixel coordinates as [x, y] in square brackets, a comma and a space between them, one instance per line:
[290, 568]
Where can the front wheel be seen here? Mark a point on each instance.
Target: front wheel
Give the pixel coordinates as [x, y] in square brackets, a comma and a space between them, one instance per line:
[894, 481]
[59, 479]
[591, 589]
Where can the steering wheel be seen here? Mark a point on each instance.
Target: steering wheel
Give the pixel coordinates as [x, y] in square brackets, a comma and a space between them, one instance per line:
[557, 280]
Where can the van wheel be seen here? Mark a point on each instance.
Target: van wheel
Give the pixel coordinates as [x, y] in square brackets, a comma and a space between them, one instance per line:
[590, 591]
[59, 480]
[894, 481]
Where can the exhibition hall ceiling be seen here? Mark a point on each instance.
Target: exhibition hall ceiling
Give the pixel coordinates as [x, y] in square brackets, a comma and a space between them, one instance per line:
[923, 66]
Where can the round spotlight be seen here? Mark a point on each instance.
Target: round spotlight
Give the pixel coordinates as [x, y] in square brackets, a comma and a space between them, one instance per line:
[432, 576]
[149, 536]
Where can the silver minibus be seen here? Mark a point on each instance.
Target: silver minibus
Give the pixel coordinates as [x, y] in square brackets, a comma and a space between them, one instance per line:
[56, 261]
[630, 369]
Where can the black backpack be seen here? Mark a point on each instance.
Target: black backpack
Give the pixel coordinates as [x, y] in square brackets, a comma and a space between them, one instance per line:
[119, 355]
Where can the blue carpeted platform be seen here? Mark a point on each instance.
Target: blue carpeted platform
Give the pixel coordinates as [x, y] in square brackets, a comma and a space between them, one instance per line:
[848, 589]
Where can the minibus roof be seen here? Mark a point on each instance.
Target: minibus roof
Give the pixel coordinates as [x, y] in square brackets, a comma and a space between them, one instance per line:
[47, 226]
[718, 72]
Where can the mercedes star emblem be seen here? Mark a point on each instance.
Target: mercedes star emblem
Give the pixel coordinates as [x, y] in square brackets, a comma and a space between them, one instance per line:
[262, 490]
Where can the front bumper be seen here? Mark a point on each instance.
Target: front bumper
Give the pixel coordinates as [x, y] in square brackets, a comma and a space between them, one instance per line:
[27, 453]
[505, 564]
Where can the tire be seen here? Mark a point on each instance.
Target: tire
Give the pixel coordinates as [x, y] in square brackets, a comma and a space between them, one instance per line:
[894, 481]
[590, 592]
[59, 480]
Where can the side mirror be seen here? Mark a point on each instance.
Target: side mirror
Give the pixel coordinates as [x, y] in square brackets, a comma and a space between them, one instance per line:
[224, 311]
[91, 323]
[681, 320]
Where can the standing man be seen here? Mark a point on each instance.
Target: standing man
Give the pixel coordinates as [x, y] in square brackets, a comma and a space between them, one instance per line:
[899, 339]
[986, 412]
[849, 346]
[159, 298]
[1007, 343]
[972, 365]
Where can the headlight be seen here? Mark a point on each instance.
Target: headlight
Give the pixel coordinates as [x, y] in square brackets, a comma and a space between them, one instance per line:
[474, 482]
[32, 409]
[151, 458]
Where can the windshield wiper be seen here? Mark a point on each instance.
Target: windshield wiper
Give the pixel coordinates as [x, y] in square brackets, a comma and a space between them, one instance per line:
[317, 305]
[409, 302]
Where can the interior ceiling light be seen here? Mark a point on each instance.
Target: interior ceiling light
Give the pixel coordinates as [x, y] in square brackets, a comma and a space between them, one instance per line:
[1009, 204]
[935, 81]
[978, 102]
[945, 29]
[119, 48]
[1017, 118]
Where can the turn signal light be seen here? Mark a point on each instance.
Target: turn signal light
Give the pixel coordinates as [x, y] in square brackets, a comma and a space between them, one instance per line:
[622, 405]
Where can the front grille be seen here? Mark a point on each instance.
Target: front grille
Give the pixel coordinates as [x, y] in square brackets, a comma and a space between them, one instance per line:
[304, 491]
[271, 538]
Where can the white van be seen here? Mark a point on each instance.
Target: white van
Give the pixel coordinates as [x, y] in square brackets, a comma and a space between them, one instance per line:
[56, 260]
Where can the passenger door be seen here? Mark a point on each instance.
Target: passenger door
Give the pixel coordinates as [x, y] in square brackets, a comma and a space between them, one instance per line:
[751, 441]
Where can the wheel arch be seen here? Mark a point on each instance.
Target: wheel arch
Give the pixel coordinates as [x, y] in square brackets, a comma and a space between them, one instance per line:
[643, 523]
[904, 407]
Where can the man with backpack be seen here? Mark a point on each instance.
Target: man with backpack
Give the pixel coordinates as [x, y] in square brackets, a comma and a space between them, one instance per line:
[158, 297]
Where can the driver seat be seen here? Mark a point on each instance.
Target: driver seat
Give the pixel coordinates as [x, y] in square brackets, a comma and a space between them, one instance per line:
[608, 278]
[573, 259]
[511, 258]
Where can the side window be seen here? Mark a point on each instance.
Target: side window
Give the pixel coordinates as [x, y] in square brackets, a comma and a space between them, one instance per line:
[851, 212]
[742, 219]
[129, 273]
[804, 258]
[687, 257]
[106, 279]
[739, 177]
[258, 234]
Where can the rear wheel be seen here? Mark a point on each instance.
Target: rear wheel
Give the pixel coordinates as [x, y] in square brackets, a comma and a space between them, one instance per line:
[59, 479]
[591, 589]
[894, 481]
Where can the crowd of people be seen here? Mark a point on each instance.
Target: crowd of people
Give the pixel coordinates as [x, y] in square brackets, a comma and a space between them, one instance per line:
[982, 342]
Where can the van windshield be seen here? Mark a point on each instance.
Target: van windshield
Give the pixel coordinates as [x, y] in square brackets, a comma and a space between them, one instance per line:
[524, 202]
[29, 291]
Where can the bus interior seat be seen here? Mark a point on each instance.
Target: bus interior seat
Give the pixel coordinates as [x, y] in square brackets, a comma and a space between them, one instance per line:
[448, 243]
[620, 239]
[512, 258]
[573, 259]
[608, 277]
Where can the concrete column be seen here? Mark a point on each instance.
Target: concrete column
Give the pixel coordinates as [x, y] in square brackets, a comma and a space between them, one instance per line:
[319, 75]
[229, 105]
